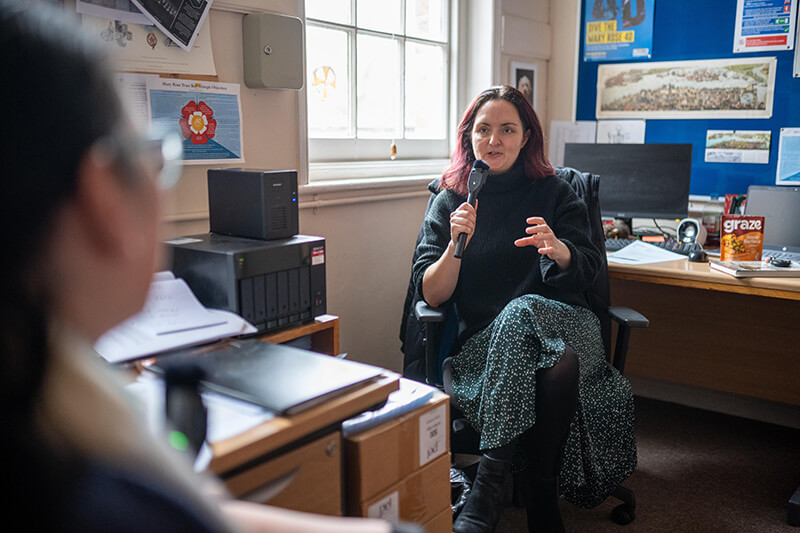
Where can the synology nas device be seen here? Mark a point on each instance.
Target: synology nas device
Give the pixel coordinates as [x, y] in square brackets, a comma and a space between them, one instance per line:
[269, 283]
[255, 204]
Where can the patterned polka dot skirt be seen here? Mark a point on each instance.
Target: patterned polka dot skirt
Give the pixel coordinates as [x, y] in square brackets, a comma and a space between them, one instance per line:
[494, 381]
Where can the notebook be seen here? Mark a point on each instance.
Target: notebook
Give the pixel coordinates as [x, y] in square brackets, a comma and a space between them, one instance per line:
[281, 378]
[750, 269]
[780, 207]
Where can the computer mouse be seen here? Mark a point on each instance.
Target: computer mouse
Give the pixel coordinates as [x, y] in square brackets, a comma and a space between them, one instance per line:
[697, 256]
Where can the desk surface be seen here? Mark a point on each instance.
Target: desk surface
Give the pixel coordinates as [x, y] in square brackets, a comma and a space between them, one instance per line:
[683, 273]
[282, 431]
[712, 330]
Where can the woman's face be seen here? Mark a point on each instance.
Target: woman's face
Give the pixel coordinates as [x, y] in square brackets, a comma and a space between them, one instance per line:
[498, 135]
[140, 199]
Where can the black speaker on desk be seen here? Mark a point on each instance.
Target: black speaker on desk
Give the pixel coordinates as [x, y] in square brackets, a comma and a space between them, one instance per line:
[254, 204]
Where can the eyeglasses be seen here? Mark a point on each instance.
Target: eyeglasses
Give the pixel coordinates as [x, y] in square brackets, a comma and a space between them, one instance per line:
[162, 147]
[159, 152]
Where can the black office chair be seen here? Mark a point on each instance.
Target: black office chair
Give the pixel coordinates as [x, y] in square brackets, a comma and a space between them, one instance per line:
[427, 333]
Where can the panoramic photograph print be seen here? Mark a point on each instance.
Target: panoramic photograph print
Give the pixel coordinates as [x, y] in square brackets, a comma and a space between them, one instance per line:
[716, 88]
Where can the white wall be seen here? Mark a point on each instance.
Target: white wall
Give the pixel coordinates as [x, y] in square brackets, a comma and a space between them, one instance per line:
[562, 84]
[271, 128]
[369, 248]
[526, 37]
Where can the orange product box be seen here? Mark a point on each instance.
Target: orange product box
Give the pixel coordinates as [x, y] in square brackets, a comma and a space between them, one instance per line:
[741, 238]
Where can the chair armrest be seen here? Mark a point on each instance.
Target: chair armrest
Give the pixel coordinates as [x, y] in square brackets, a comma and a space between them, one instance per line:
[628, 317]
[426, 313]
[431, 318]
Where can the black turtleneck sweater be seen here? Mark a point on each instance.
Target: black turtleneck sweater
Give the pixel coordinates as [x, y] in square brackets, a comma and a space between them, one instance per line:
[493, 270]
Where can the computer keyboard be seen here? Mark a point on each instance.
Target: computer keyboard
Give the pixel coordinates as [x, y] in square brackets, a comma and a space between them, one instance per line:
[612, 245]
[683, 248]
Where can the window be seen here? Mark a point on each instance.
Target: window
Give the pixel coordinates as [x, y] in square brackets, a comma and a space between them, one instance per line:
[377, 76]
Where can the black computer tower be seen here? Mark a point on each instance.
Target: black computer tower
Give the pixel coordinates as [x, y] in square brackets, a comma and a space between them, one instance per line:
[255, 204]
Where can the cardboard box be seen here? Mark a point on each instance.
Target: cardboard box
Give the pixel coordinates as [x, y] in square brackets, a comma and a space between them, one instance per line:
[380, 457]
[441, 523]
[418, 498]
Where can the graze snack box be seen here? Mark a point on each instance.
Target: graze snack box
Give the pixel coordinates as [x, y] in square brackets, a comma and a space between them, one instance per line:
[741, 238]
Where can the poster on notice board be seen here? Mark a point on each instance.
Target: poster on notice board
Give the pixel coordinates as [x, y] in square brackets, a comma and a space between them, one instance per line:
[618, 29]
[764, 25]
[789, 157]
[208, 114]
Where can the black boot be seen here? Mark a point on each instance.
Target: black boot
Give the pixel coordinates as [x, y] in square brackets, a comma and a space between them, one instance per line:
[485, 502]
[541, 504]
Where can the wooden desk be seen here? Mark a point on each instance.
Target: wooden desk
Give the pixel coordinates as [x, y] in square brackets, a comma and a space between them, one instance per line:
[302, 452]
[712, 330]
[324, 332]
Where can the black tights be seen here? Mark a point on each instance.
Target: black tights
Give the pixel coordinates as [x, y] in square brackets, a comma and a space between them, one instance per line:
[556, 400]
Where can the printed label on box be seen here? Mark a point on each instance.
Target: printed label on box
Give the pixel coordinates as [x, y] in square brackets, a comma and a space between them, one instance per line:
[432, 434]
[318, 255]
[387, 509]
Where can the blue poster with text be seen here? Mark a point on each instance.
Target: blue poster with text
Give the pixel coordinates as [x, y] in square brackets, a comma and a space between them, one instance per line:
[618, 29]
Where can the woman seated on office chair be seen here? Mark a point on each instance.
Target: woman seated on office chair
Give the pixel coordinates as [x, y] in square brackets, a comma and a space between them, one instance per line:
[529, 353]
[79, 209]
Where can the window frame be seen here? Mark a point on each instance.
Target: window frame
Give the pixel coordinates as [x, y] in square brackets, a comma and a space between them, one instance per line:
[370, 158]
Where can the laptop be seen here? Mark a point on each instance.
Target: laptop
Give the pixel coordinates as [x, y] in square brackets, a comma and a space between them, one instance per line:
[283, 379]
[780, 207]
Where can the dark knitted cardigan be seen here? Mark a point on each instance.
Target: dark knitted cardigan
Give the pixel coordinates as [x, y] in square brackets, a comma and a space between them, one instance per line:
[493, 270]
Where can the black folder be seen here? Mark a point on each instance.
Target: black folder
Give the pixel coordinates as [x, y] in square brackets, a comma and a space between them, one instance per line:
[281, 378]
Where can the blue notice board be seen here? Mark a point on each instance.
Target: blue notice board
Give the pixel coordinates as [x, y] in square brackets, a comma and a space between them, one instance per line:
[694, 30]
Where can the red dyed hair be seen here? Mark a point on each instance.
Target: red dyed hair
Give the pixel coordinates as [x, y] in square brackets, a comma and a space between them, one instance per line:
[532, 154]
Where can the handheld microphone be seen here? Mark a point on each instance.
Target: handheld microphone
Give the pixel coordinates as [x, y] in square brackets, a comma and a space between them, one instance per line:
[184, 408]
[477, 177]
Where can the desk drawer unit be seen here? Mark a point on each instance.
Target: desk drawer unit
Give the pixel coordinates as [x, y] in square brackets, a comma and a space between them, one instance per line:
[734, 343]
[304, 479]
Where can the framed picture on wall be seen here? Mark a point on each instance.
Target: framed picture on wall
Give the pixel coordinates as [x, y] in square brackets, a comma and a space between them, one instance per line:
[523, 77]
[706, 88]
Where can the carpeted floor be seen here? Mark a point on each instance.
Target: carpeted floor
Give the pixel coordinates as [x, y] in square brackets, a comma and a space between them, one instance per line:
[698, 471]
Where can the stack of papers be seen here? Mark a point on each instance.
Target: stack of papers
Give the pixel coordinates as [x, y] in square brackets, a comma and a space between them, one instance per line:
[642, 253]
[408, 397]
[172, 318]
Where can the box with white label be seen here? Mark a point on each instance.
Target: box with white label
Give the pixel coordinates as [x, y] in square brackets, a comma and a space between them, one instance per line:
[382, 456]
[420, 497]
